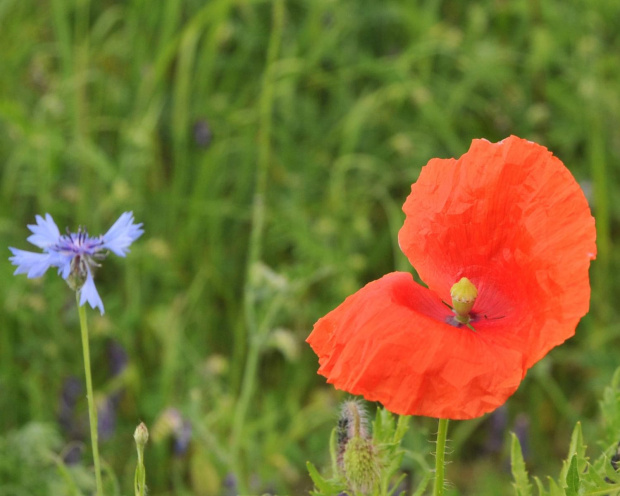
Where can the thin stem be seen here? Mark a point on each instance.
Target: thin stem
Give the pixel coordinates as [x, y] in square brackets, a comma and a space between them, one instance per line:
[265, 107]
[140, 476]
[442, 434]
[255, 331]
[92, 411]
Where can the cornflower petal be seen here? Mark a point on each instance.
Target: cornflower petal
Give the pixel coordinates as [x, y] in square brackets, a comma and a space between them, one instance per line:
[63, 262]
[122, 233]
[32, 264]
[88, 293]
[45, 232]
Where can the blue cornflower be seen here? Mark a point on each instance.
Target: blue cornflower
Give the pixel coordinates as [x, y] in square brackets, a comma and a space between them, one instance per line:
[75, 254]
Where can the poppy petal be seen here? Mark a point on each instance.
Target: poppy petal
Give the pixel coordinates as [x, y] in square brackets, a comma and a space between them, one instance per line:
[510, 217]
[391, 342]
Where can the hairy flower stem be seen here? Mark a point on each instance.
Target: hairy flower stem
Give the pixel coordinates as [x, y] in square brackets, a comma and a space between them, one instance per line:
[442, 434]
[92, 411]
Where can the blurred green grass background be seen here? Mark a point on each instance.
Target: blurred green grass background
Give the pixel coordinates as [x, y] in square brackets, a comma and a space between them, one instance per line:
[268, 147]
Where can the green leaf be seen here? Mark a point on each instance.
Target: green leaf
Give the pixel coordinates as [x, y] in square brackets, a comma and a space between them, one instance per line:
[325, 487]
[519, 472]
[541, 489]
[593, 478]
[554, 489]
[396, 485]
[615, 381]
[610, 472]
[576, 449]
[423, 484]
[401, 428]
[383, 426]
[610, 408]
[572, 478]
[320, 483]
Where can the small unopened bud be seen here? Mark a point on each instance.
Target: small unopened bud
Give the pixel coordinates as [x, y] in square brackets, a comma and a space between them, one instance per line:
[361, 465]
[464, 295]
[352, 422]
[141, 435]
[357, 457]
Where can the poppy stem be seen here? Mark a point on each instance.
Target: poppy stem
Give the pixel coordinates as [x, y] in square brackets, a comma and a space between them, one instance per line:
[442, 434]
[92, 411]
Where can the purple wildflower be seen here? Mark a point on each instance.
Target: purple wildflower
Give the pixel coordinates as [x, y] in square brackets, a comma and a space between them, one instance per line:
[118, 358]
[521, 430]
[182, 438]
[106, 417]
[71, 392]
[75, 254]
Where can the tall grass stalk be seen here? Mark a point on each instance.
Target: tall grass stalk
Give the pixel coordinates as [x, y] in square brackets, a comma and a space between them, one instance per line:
[256, 332]
[92, 411]
[600, 179]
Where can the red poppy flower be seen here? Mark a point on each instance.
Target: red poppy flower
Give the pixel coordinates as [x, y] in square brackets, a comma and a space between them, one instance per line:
[510, 218]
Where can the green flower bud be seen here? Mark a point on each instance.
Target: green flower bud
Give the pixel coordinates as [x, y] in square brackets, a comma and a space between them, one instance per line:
[357, 461]
[141, 435]
[361, 465]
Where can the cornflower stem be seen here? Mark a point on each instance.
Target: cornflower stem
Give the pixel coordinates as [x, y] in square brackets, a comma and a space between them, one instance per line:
[442, 434]
[92, 411]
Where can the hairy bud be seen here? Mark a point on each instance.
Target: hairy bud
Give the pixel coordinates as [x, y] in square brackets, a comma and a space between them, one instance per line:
[357, 457]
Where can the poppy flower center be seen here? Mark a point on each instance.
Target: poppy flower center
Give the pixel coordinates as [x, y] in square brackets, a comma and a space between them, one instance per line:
[463, 295]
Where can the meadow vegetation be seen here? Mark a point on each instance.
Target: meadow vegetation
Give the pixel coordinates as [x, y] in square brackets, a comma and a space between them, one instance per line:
[268, 147]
